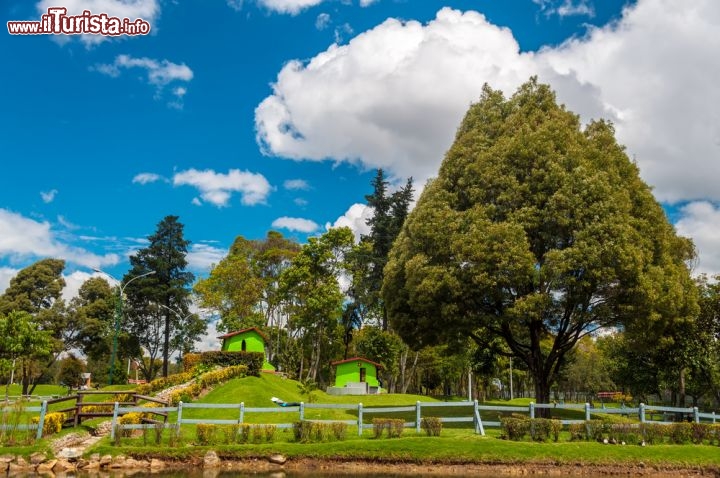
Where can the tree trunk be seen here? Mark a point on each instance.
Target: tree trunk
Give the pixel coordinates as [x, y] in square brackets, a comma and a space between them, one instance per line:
[166, 346]
[681, 389]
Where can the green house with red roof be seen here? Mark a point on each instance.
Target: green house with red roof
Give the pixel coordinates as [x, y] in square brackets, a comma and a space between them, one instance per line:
[355, 376]
[247, 340]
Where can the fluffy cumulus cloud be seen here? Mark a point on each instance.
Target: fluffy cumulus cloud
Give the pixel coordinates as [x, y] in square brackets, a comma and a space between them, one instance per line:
[148, 10]
[394, 95]
[217, 188]
[376, 100]
[295, 224]
[24, 238]
[6, 273]
[700, 220]
[201, 257]
[356, 218]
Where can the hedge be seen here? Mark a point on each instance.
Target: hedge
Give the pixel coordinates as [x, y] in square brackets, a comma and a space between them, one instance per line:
[252, 360]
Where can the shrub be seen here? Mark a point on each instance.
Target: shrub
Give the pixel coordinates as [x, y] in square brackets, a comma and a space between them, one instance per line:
[578, 431]
[307, 431]
[190, 361]
[394, 427]
[132, 418]
[163, 383]
[595, 429]
[53, 422]
[626, 432]
[269, 433]
[205, 433]
[339, 430]
[432, 426]
[230, 433]
[681, 433]
[252, 360]
[653, 432]
[244, 433]
[714, 434]
[699, 432]
[515, 428]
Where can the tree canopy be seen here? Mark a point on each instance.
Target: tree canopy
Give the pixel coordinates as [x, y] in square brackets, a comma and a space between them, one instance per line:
[537, 231]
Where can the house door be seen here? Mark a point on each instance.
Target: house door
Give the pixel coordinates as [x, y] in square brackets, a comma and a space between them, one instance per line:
[243, 346]
[362, 375]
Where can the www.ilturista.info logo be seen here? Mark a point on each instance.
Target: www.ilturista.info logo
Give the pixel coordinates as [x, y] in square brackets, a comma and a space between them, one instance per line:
[57, 22]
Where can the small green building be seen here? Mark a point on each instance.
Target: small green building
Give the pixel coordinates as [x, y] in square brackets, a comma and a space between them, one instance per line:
[246, 340]
[355, 376]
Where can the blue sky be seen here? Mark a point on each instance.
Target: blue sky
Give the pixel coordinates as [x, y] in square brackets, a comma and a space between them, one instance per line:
[241, 117]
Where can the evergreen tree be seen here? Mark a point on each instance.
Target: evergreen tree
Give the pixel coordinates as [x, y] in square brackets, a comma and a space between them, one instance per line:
[158, 304]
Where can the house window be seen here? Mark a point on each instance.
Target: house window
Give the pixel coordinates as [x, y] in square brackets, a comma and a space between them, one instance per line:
[243, 346]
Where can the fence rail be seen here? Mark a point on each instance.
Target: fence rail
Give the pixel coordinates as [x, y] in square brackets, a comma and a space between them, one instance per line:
[420, 409]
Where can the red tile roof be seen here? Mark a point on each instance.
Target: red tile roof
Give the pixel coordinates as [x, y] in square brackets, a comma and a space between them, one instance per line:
[357, 358]
[238, 332]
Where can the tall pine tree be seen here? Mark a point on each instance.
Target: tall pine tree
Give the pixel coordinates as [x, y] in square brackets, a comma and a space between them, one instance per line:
[158, 304]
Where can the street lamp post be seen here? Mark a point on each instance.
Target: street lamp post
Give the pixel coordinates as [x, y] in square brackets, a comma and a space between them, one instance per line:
[118, 316]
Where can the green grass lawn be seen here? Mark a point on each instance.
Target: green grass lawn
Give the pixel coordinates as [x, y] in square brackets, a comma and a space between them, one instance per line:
[453, 446]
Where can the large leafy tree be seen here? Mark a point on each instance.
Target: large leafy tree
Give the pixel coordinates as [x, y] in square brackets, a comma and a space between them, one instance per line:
[313, 295]
[243, 287]
[539, 232]
[158, 304]
[21, 338]
[37, 291]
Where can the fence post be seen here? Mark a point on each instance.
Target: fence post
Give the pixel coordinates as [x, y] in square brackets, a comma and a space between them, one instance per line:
[696, 414]
[418, 416]
[242, 412]
[179, 418]
[587, 412]
[114, 421]
[532, 410]
[302, 411]
[713, 417]
[478, 419]
[41, 420]
[642, 413]
[360, 419]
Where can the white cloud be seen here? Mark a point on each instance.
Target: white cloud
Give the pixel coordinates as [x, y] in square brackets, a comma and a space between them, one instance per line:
[48, 196]
[160, 73]
[293, 7]
[365, 3]
[567, 8]
[656, 68]
[210, 340]
[300, 202]
[74, 281]
[25, 238]
[217, 188]
[394, 95]
[322, 21]
[201, 257]
[296, 185]
[377, 101]
[355, 218]
[295, 224]
[235, 4]
[148, 10]
[147, 178]
[701, 221]
[6, 273]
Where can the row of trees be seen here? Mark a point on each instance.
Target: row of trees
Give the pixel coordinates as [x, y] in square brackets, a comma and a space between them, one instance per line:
[537, 234]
